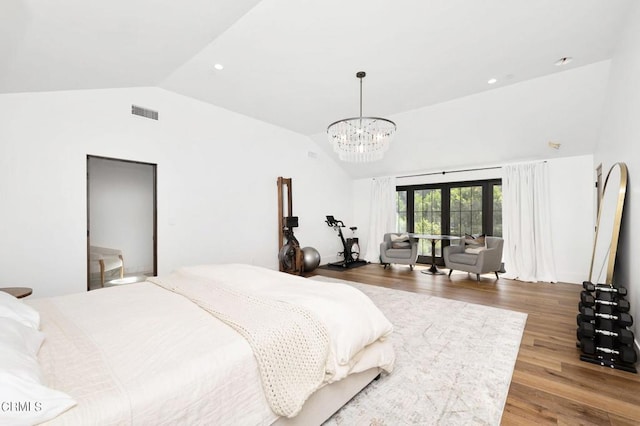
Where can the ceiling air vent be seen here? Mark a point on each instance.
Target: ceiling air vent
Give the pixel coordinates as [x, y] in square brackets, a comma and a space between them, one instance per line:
[144, 112]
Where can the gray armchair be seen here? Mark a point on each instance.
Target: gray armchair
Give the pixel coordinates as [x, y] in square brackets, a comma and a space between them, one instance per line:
[398, 248]
[487, 259]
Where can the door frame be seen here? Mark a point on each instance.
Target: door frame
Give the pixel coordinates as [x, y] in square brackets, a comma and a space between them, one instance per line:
[154, 167]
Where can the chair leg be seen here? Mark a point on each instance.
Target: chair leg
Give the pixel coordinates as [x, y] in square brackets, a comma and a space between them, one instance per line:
[411, 267]
[450, 271]
[478, 276]
[121, 267]
[497, 277]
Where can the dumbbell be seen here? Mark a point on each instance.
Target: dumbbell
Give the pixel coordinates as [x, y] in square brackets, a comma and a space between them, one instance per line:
[589, 286]
[609, 310]
[587, 299]
[608, 297]
[589, 330]
[621, 305]
[626, 354]
[623, 319]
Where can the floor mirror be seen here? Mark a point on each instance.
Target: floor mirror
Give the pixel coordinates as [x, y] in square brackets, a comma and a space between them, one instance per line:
[605, 244]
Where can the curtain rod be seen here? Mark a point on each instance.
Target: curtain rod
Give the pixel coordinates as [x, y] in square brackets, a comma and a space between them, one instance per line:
[451, 171]
[454, 171]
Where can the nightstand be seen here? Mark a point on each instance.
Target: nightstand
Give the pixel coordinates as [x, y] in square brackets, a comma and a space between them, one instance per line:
[18, 292]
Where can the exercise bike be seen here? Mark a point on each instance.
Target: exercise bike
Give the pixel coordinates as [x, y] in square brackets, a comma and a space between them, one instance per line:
[351, 252]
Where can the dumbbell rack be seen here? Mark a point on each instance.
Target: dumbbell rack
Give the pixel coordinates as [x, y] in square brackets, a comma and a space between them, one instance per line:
[603, 320]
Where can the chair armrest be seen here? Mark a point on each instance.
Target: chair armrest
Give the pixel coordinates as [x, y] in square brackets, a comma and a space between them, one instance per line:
[104, 251]
[492, 258]
[414, 248]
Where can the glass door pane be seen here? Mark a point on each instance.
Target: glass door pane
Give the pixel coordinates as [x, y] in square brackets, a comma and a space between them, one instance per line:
[465, 210]
[401, 211]
[427, 217]
[497, 210]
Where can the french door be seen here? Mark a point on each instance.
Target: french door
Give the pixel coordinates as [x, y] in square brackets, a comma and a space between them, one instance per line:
[455, 208]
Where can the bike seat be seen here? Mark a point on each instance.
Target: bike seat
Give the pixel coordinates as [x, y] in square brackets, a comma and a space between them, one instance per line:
[353, 228]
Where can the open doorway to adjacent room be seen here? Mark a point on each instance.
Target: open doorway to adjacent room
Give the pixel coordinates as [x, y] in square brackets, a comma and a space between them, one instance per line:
[121, 222]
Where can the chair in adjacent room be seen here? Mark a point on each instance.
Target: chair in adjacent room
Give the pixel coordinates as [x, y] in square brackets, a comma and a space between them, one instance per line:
[104, 259]
[399, 248]
[475, 258]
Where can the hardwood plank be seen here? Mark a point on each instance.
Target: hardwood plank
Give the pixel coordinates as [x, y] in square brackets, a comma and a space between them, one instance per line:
[550, 384]
[526, 403]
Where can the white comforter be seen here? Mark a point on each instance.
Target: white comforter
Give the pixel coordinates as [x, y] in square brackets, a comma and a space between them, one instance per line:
[351, 318]
[139, 354]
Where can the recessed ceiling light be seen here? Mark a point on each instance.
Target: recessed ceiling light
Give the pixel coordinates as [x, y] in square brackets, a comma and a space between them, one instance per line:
[563, 61]
[492, 81]
[218, 67]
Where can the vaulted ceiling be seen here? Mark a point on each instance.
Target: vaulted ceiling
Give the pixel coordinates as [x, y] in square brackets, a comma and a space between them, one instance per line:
[293, 62]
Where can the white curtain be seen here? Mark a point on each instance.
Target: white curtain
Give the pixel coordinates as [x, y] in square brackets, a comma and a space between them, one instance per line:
[526, 223]
[382, 215]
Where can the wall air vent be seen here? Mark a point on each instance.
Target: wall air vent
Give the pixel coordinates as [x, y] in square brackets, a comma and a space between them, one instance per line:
[144, 112]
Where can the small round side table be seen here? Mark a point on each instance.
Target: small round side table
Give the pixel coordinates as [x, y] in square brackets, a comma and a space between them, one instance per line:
[18, 292]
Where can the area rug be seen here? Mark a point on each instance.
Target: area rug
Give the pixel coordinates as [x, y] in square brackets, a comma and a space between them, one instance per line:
[454, 362]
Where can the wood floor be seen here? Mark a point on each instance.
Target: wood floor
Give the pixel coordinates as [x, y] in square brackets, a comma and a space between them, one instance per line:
[550, 385]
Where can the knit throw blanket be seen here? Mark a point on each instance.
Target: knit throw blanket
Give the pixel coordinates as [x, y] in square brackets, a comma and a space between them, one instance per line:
[289, 343]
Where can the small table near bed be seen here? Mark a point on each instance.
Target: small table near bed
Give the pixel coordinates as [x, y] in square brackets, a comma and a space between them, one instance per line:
[433, 270]
[17, 292]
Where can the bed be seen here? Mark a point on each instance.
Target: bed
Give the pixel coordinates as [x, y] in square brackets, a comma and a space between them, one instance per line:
[213, 344]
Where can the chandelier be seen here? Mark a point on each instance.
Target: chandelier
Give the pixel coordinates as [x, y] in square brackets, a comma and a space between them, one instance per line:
[361, 139]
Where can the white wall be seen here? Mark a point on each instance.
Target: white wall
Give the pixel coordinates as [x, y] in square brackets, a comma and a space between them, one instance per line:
[619, 141]
[121, 210]
[511, 124]
[571, 196]
[217, 171]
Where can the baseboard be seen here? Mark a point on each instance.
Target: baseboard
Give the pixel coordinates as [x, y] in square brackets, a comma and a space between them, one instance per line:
[572, 278]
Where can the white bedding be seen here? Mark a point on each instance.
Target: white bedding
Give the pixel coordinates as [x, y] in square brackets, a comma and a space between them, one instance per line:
[351, 318]
[138, 354]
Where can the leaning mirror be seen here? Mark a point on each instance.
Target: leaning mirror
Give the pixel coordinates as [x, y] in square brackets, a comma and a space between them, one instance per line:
[605, 243]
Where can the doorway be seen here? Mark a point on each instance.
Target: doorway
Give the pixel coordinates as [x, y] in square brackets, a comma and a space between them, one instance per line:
[121, 221]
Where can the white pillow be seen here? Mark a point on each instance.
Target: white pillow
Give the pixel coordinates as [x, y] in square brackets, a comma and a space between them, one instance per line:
[474, 250]
[25, 400]
[10, 307]
[399, 238]
[27, 403]
[19, 336]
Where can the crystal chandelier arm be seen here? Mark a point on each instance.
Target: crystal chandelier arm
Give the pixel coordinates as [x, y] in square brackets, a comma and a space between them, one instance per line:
[369, 120]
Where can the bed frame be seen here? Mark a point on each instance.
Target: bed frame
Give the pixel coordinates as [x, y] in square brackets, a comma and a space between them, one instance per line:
[329, 399]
